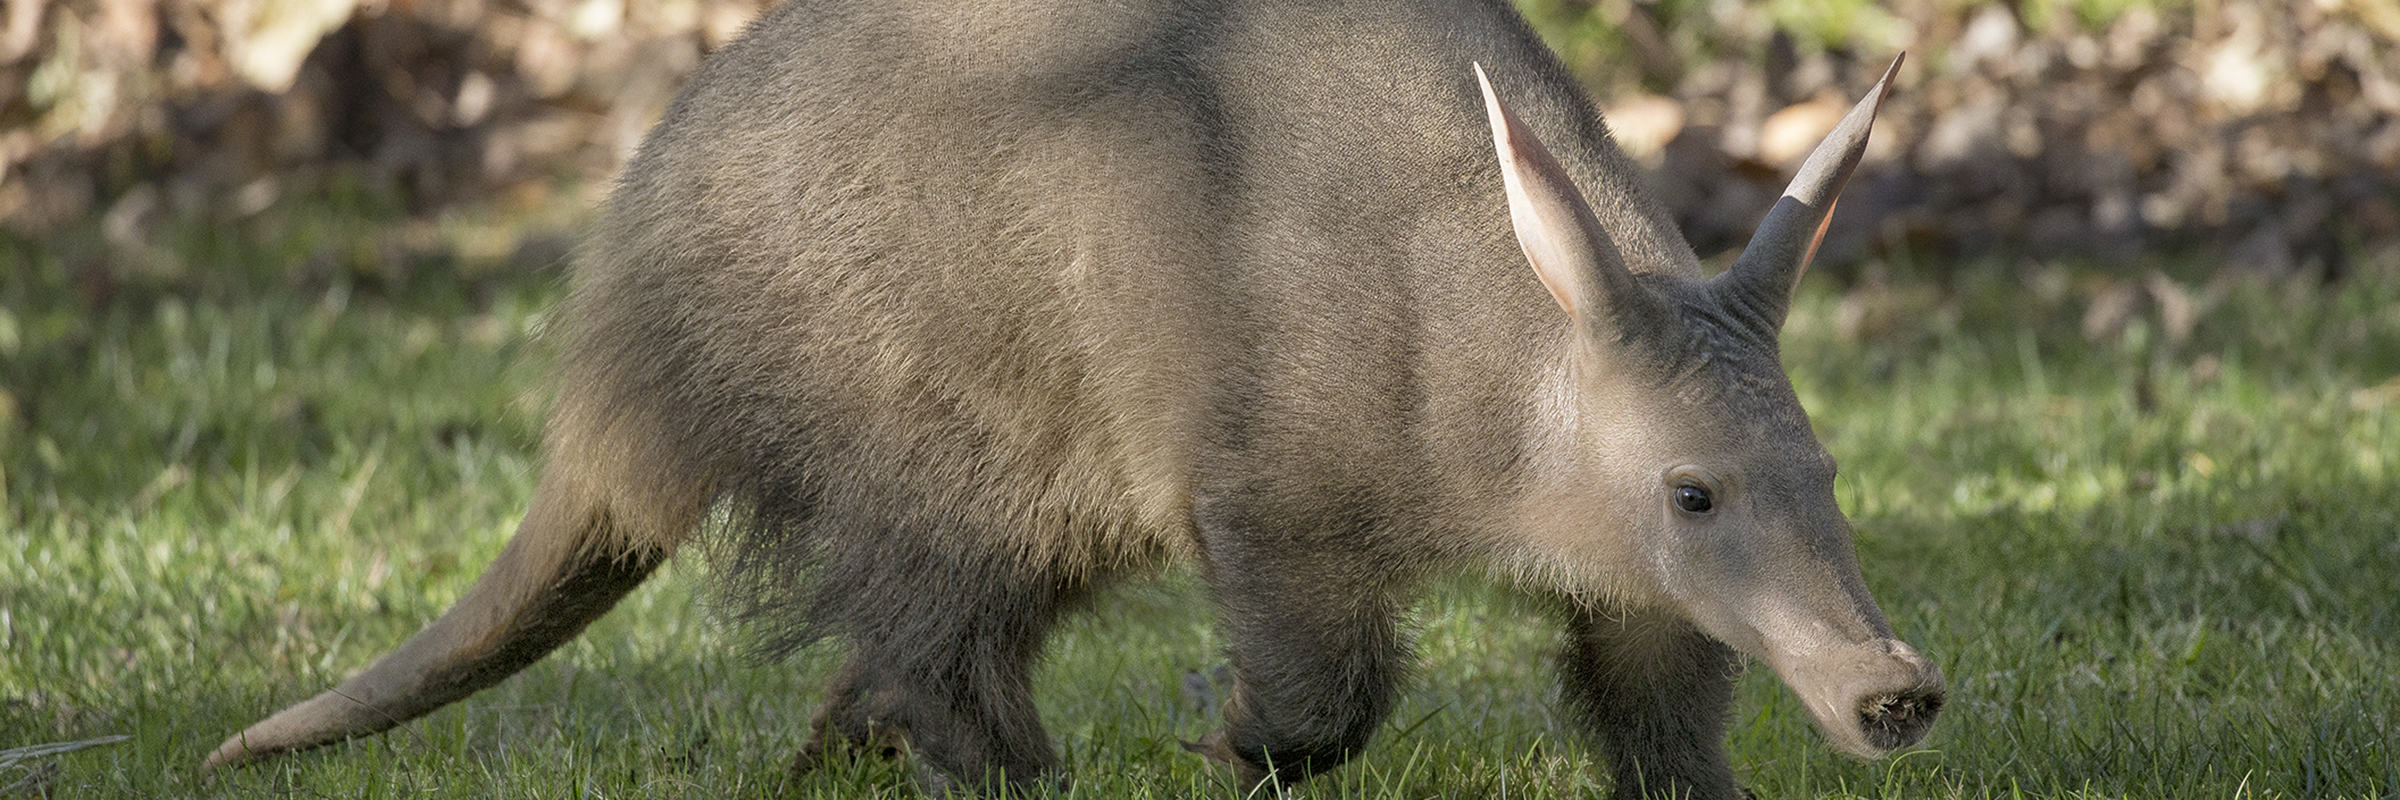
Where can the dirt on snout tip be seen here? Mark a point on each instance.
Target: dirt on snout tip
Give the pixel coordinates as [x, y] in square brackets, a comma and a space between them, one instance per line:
[1895, 720]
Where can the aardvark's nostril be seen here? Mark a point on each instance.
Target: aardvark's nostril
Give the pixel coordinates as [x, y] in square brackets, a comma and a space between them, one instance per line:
[1898, 719]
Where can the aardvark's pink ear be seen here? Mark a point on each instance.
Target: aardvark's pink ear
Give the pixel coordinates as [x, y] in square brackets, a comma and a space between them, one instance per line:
[1555, 225]
[1762, 279]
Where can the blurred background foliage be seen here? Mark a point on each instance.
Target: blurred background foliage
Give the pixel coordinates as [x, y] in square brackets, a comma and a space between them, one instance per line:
[2268, 130]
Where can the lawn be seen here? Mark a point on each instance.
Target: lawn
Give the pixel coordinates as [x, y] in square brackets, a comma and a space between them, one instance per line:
[2146, 517]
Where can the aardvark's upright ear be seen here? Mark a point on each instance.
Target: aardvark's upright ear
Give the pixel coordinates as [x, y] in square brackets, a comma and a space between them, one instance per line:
[1760, 282]
[1561, 236]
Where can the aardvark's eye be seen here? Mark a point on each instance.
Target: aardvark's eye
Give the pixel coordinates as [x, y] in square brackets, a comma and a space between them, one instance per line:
[1693, 499]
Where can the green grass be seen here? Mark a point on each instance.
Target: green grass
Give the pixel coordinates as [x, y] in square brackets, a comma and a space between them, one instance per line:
[2152, 565]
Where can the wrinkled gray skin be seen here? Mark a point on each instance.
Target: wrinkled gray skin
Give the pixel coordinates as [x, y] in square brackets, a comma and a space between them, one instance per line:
[960, 311]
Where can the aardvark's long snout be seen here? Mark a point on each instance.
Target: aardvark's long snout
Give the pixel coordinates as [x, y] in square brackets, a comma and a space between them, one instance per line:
[1869, 697]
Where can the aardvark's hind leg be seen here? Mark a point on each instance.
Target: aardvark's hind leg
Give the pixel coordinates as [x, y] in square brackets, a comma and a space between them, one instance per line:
[945, 671]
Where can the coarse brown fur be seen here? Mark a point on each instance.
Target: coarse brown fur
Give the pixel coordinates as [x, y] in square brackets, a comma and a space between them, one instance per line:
[951, 313]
